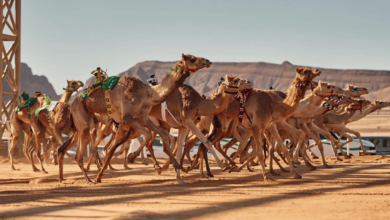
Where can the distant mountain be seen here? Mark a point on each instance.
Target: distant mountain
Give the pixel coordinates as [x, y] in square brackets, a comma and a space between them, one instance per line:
[261, 74]
[31, 83]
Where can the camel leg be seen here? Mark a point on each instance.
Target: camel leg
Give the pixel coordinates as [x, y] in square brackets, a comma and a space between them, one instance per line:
[126, 147]
[119, 139]
[183, 132]
[243, 145]
[316, 137]
[39, 133]
[258, 149]
[61, 153]
[274, 132]
[164, 136]
[322, 129]
[190, 124]
[151, 151]
[204, 156]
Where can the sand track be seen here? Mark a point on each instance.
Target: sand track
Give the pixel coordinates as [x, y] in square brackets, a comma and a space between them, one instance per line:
[358, 188]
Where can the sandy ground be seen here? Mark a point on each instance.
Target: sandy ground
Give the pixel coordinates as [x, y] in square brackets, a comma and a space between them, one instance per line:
[358, 188]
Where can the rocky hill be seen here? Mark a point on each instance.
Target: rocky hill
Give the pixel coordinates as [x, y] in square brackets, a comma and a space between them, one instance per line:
[263, 75]
[31, 83]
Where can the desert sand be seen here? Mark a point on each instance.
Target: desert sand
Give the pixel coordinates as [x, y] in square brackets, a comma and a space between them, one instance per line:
[357, 188]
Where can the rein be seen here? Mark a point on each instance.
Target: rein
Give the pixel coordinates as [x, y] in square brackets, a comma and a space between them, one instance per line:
[242, 101]
[187, 69]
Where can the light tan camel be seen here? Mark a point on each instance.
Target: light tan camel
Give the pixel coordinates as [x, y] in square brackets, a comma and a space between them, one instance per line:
[303, 122]
[342, 129]
[132, 101]
[264, 109]
[355, 91]
[30, 126]
[186, 105]
[333, 118]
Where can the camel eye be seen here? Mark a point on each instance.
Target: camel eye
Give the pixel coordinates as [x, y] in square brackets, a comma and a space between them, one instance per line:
[328, 87]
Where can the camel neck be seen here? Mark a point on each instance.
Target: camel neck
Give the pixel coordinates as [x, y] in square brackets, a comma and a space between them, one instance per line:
[307, 104]
[169, 84]
[65, 97]
[291, 102]
[365, 111]
[215, 105]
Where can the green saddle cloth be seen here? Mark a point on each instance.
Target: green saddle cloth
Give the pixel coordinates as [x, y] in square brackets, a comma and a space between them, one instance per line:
[30, 101]
[106, 85]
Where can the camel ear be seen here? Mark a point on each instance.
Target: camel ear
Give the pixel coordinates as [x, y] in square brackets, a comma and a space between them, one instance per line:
[183, 57]
[299, 70]
[67, 81]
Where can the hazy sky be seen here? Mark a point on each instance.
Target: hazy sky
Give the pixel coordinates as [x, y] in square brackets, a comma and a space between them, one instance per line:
[68, 39]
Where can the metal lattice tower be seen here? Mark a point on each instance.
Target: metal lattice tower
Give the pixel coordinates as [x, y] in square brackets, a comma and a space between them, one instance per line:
[10, 57]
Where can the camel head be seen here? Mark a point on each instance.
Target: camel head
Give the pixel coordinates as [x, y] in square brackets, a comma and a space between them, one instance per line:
[234, 84]
[192, 63]
[380, 104]
[327, 89]
[355, 91]
[73, 85]
[304, 76]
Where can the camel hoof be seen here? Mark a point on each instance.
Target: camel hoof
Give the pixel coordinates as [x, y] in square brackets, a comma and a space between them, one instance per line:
[145, 164]
[297, 162]
[97, 180]
[131, 157]
[177, 166]
[127, 168]
[159, 170]
[250, 169]
[90, 183]
[210, 174]
[273, 173]
[234, 169]
[112, 168]
[188, 169]
[339, 159]
[13, 168]
[297, 176]
[314, 157]
[37, 170]
[312, 168]
[181, 182]
[327, 166]
[267, 179]
[284, 170]
[60, 180]
[43, 171]
[226, 168]
[347, 157]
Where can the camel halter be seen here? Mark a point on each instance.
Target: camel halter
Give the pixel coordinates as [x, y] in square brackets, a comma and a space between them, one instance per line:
[304, 83]
[242, 99]
[232, 87]
[186, 69]
[71, 89]
[357, 91]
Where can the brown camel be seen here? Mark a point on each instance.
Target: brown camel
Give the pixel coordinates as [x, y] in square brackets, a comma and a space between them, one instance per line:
[59, 119]
[30, 125]
[132, 101]
[186, 105]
